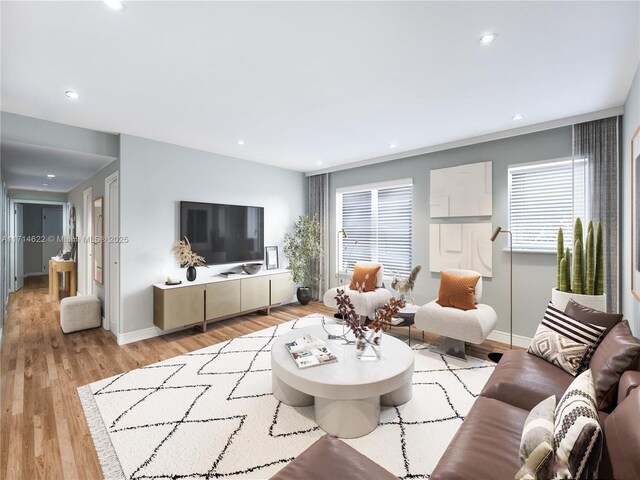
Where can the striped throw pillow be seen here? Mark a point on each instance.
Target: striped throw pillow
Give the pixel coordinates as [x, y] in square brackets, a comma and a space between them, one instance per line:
[564, 341]
[577, 433]
[536, 445]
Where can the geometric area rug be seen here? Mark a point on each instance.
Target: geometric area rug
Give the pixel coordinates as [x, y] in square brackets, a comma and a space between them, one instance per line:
[210, 414]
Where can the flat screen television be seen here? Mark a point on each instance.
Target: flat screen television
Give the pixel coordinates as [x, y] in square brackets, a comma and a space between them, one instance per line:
[223, 233]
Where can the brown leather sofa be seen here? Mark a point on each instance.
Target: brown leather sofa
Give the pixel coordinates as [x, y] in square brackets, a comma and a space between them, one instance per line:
[486, 445]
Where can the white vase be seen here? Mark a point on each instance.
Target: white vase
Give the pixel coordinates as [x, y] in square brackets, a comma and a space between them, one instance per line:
[560, 300]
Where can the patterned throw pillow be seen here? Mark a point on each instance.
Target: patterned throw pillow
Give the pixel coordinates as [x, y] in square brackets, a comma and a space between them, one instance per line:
[577, 433]
[563, 341]
[457, 291]
[364, 277]
[536, 445]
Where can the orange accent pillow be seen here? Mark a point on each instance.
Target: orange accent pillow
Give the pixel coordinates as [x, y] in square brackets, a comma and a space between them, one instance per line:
[364, 277]
[458, 291]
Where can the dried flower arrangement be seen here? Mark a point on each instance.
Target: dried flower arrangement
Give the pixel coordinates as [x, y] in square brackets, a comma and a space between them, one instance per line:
[352, 319]
[181, 251]
[385, 313]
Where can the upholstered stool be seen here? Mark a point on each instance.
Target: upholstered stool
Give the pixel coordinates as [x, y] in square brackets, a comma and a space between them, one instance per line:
[79, 313]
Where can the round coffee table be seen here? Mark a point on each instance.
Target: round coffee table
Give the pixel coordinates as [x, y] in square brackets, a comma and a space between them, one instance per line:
[347, 394]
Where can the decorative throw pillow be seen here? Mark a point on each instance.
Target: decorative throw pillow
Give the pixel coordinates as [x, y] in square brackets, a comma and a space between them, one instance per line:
[577, 432]
[563, 341]
[457, 291]
[536, 444]
[588, 315]
[364, 277]
[618, 352]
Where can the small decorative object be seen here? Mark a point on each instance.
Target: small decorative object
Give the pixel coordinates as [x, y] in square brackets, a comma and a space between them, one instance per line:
[172, 281]
[66, 256]
[271, 257]
[404, 286]
[303, 249]
[181, 251]
[251, 268]
[585, 284]
[368, 338]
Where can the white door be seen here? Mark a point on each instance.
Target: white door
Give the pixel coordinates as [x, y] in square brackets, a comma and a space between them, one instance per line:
[51, 230]
[112, 248]
[86, 228]
[18, 278]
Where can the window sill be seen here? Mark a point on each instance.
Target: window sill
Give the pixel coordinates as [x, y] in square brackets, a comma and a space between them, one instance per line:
[525, 250]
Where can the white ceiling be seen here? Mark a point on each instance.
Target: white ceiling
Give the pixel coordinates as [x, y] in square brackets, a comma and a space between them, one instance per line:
[26, 166]
[315, 85]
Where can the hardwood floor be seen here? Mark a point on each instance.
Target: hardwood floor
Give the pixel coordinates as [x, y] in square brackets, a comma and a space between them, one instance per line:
[43, 433]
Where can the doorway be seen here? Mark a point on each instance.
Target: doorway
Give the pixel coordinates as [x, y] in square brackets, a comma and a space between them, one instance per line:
[85, 245]
[36, 229]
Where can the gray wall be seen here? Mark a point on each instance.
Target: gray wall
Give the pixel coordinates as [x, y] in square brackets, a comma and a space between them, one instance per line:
[154, 178]
[75, 198]
[534, 273]
[630, 122]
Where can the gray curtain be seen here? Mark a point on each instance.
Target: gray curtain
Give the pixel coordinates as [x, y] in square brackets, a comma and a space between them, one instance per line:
[319, 207]
[598, 142]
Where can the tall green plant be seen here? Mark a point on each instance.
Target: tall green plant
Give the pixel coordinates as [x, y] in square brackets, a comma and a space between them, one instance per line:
[563, 281]
[599, 282]
[577, 285]
[303, 249]
[590, 278]
[559, 258]
[567, 267]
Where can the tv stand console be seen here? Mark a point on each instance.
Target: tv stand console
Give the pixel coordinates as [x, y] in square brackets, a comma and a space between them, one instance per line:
[215, 298]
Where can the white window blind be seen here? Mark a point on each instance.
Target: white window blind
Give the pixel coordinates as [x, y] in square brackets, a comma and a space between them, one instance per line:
[542, 198]
[379, 224]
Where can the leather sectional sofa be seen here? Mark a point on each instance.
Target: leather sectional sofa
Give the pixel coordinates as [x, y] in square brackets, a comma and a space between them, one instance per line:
[486, 445]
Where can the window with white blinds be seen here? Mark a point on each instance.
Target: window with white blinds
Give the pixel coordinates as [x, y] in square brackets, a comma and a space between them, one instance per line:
[378, 221]
[544, 197]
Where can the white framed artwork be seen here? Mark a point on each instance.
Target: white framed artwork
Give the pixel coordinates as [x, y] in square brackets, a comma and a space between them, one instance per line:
[461, 245]
[462, 191]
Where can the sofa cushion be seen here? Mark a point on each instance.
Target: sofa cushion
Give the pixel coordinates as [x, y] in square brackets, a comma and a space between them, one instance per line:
[588, 315]
[330, 458]
[622, 439]
[486, 444]
[618, 352]
[524, 380]
[458, 291]
[563, 341]
[364, 277]
[577, 432]
[536, 445]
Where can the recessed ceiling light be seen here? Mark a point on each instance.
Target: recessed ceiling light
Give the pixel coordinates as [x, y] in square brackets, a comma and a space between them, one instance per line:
[240, 142]
[72, 94]
[392, 145]
[116, 5]
[517, 117]
[45, 184]
[488, 38]
[50, 175]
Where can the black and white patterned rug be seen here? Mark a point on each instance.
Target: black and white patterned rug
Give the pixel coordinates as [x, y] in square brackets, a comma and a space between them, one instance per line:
[210, 414]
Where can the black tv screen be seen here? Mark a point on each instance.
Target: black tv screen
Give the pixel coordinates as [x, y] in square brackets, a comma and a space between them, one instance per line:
[223, 233]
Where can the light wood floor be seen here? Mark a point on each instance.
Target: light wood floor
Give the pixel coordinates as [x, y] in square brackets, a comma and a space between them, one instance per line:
[43, 433]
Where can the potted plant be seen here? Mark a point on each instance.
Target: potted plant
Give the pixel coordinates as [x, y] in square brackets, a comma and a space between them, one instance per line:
[186, 257]
[585, 284]
[303, 249]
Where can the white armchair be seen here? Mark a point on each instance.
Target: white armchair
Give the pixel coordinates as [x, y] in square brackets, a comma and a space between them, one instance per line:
[458, 326]
[365, 303]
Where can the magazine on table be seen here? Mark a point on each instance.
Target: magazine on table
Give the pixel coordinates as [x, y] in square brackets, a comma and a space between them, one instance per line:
[310, 351]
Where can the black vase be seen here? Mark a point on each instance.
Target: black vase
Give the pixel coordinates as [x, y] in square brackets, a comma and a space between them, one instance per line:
[304, 295]
[191, 273]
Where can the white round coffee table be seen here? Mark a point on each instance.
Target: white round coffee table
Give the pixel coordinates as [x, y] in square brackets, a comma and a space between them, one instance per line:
[347, 394]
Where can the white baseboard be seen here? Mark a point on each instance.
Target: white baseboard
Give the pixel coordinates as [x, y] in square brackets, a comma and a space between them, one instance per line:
[105, 324]
[503, 337]
[0, 338]
[34, 274]
[145, 333]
